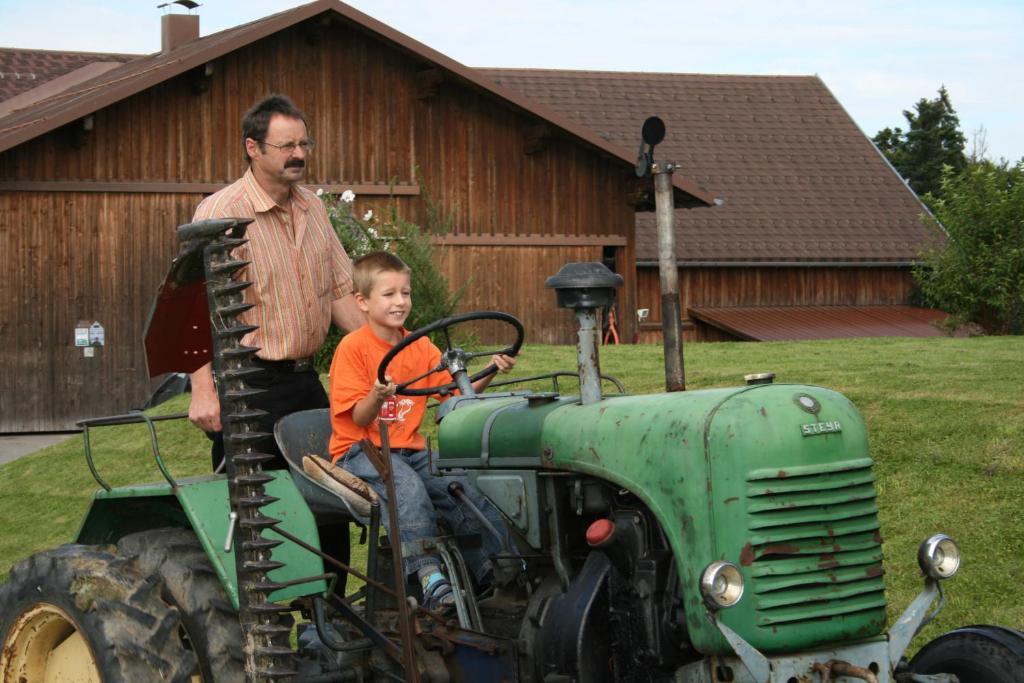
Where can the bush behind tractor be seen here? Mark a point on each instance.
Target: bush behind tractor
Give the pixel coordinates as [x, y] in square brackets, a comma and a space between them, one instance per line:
[727, 534]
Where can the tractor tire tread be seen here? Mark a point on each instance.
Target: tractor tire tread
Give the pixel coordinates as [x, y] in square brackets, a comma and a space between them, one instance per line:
[190, 584]
[132, 633]
[974, 656]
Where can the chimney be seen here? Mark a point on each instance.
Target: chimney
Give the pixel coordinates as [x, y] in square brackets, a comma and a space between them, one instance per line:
[177, 29]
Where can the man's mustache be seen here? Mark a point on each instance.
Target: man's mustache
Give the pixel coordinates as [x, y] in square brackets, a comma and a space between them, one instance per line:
[295, 163]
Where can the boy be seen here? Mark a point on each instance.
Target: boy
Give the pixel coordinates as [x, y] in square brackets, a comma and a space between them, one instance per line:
[382, 290]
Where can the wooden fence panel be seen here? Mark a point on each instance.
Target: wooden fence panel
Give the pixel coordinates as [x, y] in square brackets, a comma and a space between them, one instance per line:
[775, 286]
[511, 279]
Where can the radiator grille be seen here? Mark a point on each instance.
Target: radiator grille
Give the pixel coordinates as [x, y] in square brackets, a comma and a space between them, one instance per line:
[815, 551]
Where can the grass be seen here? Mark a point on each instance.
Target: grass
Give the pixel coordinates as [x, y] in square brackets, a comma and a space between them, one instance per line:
[947, 435]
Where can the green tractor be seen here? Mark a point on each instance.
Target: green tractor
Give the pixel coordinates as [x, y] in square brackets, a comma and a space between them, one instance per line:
[695, 537]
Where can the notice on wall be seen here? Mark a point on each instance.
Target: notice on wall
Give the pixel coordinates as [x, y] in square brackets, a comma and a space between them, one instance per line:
[82, 333]
[89, 336]
[96, 334]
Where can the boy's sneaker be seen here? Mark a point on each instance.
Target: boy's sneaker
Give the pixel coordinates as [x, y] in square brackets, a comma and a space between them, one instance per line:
[438, 595]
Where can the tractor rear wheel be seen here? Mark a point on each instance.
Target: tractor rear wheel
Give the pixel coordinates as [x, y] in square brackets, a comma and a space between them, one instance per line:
[191, 584]
[80, 613]
[976, 654]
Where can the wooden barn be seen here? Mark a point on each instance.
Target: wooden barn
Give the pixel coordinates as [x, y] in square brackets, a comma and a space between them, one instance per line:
[101, 156]
[815, 235]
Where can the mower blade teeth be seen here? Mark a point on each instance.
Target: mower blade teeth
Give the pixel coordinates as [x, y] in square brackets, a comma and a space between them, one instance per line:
[273, 651]
[231, 288]
[234, 309]
[265, 642]
[269, 608]
[259, 522]
[265, 586]
[254, 479]
[262, 566]
[257, 501]
[228, 267]
[232, 243]
[246, 438]
[226, 244]
[243, 415]
[260, 544]
[253, 459]
[236, 331]
[276, 673]
[272, 630]
[233, 374]
[239, 352]
[242, 394]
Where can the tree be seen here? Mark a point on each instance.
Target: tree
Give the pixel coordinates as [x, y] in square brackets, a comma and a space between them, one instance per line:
[933, 141]
[977, 275]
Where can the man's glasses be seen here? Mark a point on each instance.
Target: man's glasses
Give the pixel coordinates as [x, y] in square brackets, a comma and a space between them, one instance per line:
[307, 145]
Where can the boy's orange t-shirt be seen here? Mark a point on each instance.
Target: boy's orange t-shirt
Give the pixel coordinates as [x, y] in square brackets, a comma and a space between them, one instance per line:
[353, 372]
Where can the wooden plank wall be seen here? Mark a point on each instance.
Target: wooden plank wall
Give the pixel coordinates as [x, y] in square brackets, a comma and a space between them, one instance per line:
[370, 127]
[101, 255]
[77, 257]
[775, 286]
[496, 275]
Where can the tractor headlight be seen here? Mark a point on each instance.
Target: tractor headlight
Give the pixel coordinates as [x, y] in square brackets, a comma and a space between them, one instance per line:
[939, 557]
[721, 584]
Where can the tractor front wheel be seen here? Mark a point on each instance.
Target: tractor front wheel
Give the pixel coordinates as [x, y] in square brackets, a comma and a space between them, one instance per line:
[976, 654]
[79, 613]
[190, 583]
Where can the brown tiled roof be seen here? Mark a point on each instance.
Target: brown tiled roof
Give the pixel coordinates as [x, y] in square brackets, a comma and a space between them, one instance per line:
[799, 180]
[22, 70]
[785, 323]
[145, 72]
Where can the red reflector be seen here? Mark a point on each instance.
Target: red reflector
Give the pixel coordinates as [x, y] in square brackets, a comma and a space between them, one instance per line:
[599, 532]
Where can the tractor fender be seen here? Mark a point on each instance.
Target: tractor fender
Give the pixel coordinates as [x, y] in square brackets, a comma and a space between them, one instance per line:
[201, 504]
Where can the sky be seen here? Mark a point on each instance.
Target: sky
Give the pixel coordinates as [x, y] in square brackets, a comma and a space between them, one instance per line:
[877, 57]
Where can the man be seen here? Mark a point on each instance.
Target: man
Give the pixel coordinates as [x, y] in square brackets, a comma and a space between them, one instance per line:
[300, 272]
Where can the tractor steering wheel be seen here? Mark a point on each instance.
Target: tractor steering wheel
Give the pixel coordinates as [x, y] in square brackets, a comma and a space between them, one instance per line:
[453, 359]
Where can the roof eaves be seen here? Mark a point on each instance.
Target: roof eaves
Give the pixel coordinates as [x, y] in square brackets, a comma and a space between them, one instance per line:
[128, 80]
[118, 85]
[54, 86]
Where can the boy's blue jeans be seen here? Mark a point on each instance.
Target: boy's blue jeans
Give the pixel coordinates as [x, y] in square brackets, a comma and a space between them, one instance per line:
[422, 497]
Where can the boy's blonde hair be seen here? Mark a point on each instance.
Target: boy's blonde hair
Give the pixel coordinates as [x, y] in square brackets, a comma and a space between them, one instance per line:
[366, 268]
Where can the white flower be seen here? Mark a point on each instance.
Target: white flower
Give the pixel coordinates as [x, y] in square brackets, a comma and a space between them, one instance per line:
[372, 233]
[348, 196]
[368, 215]
[319, 192]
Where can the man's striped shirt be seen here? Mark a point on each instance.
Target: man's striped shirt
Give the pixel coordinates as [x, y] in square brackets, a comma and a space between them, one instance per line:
[298, 266]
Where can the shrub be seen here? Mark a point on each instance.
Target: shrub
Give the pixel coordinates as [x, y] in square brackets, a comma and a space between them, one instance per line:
[432, 296]
[977, 276]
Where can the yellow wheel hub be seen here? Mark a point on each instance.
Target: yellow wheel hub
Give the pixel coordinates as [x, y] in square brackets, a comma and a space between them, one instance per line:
[45, 646]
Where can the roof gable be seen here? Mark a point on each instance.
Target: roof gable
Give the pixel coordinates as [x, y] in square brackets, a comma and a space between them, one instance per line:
[799, 180]
[145, 72]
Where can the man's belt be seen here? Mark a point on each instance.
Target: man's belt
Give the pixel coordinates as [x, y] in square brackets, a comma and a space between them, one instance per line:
[288, 365]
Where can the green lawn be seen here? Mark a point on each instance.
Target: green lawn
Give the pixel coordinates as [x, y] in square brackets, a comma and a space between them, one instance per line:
[947, 431]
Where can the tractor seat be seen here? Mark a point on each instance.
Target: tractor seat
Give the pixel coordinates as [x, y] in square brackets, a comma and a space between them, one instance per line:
[332, 493]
